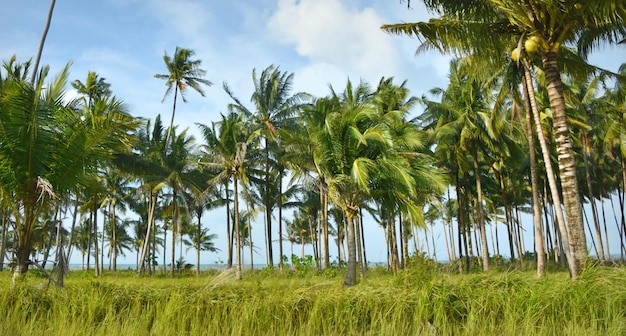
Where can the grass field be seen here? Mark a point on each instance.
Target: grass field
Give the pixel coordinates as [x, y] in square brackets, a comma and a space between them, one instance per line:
[418, 301]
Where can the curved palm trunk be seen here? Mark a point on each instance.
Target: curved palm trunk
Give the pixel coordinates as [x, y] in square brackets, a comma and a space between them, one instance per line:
[567, 168]
[539, 243]
[554, 190]
[42, 41]
[169, 130]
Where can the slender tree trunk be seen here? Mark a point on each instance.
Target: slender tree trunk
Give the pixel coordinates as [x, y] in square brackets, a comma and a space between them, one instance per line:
[96, 253]
[350, 279]
[541, 260]
[359, 246]
[198, 233]
[268, 208]
[592, 200]
[70, 242]
[445, 238]
[229, 240]
[324, 204]
[280, 219]
[567, 167]
[236, 225]
[554, 190]
[479, 213]
[174, 233]
[169, 130]
[146, 241]
[113, 239]
[42, 41]
[363, 239]
[3, 240]
[606, 231]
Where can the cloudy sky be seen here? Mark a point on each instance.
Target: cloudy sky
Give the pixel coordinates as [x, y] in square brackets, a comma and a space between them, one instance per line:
[323, 42]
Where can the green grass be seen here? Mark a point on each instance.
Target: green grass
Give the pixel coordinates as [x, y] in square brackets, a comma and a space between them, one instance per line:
[418, 301]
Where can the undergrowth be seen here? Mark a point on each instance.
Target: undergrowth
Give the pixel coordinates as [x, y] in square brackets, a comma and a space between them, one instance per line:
[421, 300]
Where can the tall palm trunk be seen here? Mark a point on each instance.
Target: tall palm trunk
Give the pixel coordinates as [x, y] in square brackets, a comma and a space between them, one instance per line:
[324, 203]
[554, 190]
[268, 208]
[146, 241]
[539, 243]
[169, 130]
[567, 167]
[42, 41]
[592, 200]
[236, 224]
[350, 279]
[198, 232]
[113, 239]
[174, 232]
[229, 241]
[96, 253]
[479, 213]
[280, 219]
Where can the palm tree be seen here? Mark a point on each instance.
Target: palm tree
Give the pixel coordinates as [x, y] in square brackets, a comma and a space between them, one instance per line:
[465, 116]
[183, 72]
[95, 88]
[48, 150]
[225, 153]
[546, 26]
[201, 241]
[274, 109]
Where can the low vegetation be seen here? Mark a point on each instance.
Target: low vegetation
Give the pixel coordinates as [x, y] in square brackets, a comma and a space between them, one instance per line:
[421, 300]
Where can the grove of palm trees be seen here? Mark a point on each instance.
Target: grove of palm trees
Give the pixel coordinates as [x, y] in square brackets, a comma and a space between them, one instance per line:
[518, 165]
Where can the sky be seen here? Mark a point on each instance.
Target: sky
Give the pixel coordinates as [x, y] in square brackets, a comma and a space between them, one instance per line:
[323, 42]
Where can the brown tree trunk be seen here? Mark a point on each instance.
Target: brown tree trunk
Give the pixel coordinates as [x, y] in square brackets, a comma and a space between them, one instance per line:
[539, 246]
[350, 279]
[567, 167]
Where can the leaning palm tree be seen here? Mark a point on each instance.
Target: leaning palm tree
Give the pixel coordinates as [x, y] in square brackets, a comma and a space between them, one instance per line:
[541, 28]
[183, 72]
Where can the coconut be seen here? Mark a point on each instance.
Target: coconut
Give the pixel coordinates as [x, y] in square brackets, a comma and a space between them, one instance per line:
[532, 44]
[515, 54]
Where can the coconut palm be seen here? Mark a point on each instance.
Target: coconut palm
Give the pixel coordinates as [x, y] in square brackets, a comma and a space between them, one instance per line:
[541, 27]
[464, 117]
[48, 150]
[225, 152]
[93, 89]
[183, 72]
[307, 161]
[273, 109]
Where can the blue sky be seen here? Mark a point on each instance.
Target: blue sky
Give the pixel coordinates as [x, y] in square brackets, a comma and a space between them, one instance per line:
[323, 42]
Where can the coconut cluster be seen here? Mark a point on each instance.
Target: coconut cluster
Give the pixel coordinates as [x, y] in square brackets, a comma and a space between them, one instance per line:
[531, 45]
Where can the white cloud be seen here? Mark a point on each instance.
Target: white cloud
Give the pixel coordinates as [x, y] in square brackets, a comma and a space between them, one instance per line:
[327, 32]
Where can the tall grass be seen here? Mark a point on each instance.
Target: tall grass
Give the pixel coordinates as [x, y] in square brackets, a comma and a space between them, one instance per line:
[415, 302]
